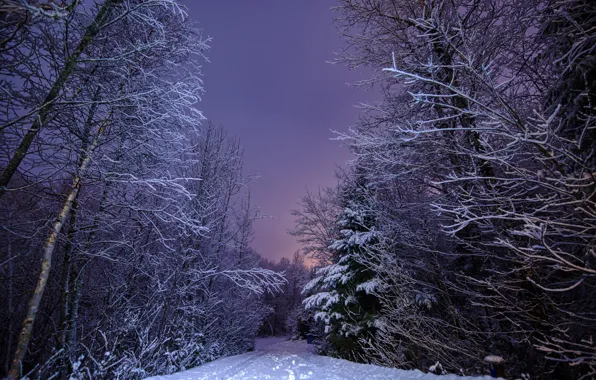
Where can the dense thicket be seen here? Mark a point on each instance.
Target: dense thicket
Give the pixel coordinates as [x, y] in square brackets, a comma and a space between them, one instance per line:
[480, 177]
[140, 216]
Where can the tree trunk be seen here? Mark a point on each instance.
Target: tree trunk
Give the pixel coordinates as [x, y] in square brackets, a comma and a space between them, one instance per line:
[10, 307]
[65, 280]
[76, 284]
[46, 264]
[65, 296]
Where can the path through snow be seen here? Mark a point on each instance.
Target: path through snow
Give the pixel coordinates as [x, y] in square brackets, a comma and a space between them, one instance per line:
[276, 358]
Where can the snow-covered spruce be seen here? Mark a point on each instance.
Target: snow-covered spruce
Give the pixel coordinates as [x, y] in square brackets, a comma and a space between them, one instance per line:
[342, 293]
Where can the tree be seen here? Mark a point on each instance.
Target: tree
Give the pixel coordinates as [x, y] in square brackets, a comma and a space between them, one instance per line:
[285, 304]
[485, 123]
[100, 117]
[43, 112]
[143, 217]
[316, 223]
[343, 291]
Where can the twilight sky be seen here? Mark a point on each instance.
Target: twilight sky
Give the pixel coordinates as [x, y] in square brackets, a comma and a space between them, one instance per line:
[268, 83]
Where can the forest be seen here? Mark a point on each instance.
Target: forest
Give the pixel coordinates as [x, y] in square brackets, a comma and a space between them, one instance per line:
[463, 227]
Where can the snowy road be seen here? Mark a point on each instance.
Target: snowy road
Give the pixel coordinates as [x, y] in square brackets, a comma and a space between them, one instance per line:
[275, 359]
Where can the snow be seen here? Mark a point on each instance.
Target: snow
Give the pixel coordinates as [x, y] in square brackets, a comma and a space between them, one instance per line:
[494, 359]
[369, 286]
[435, 367]
[275, 359]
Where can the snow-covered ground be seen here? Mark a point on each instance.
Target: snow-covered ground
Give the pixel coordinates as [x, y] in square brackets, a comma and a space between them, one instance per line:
[276, 358]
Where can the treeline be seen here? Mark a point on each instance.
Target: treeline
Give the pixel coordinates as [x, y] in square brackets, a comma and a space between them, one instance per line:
[465, 225]
[285, 305]
[124, 242]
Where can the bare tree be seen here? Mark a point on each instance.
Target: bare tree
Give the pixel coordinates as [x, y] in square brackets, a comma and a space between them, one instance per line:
[486, 124]
[316, 223]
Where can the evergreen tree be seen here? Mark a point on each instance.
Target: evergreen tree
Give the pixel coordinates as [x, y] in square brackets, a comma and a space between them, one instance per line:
[344, 298]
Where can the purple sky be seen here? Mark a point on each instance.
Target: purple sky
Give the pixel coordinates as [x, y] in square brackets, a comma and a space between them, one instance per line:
[268, 82]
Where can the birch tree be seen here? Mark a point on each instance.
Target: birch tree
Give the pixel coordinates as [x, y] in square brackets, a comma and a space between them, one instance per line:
[133, 72]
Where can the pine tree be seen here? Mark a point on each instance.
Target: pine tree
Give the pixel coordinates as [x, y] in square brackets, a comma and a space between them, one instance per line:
[344, 291]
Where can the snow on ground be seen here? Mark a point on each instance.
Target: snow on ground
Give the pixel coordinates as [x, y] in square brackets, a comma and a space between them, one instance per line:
[277, 358]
